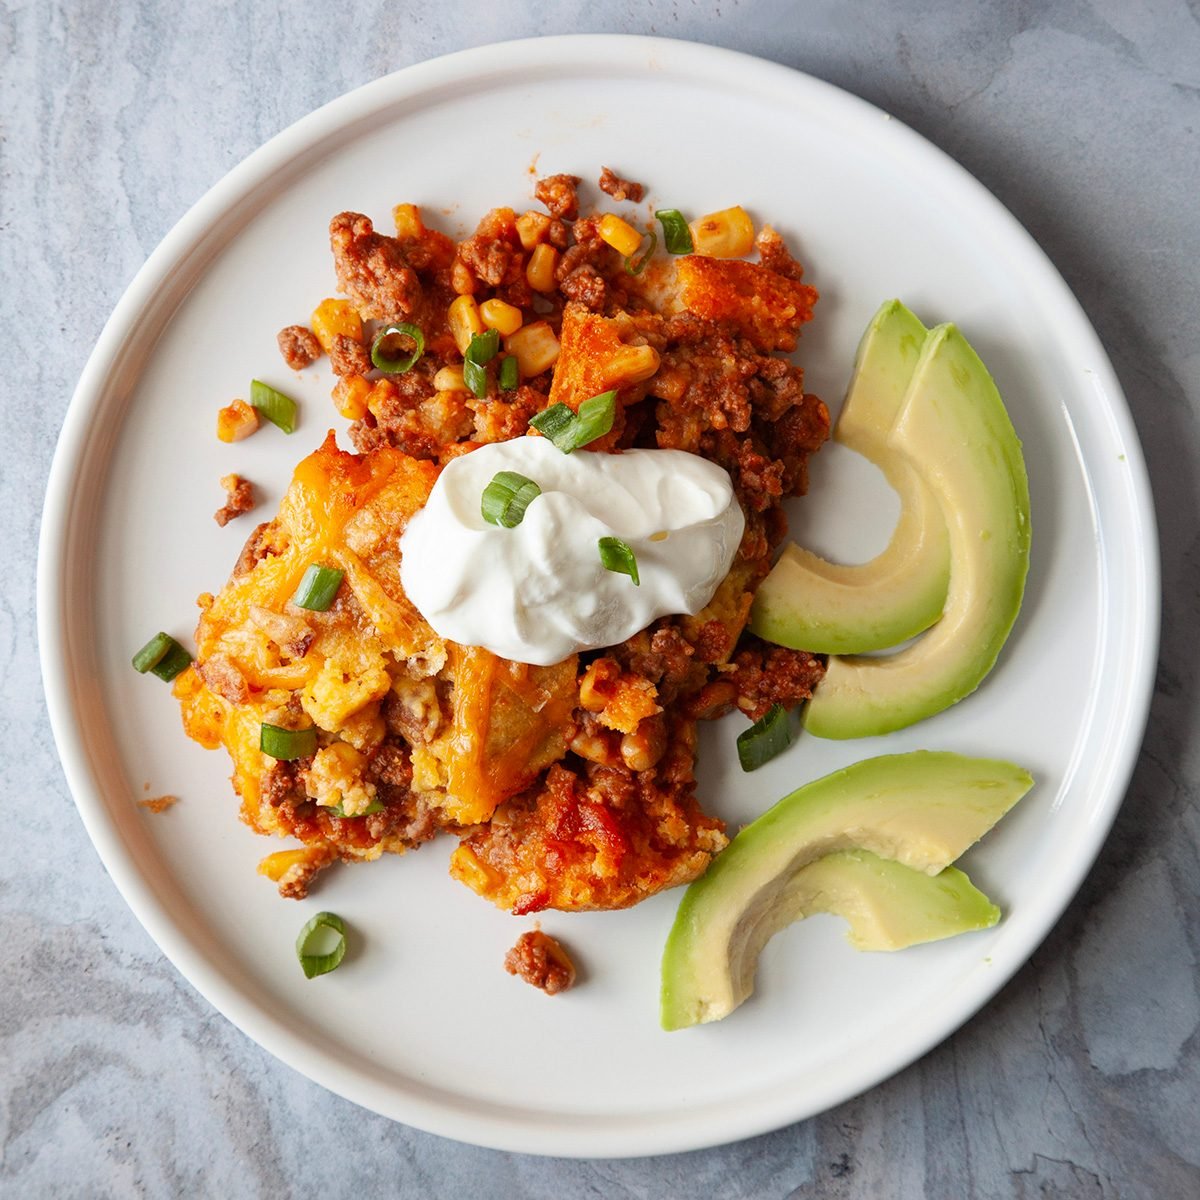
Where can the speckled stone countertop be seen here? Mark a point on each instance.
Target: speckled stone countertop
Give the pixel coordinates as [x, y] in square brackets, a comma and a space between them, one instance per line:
[1081, 1079]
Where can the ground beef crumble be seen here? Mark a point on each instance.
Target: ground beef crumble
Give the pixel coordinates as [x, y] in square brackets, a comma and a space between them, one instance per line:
[299, 346]
[541, 961]
[239, 494]
[558, 193]
[620, 189]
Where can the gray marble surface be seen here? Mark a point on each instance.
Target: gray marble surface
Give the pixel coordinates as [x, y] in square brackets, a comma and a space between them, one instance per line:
[1081, 1079]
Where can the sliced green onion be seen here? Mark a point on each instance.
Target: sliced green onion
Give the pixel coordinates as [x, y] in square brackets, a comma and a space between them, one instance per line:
[392, 364]
[275, 406]
[510, 373]
[635, 266]
[314, 934]
[677, 237]
[767, 737]
[554, 422]
[568, 430]
[617, 556]
[374, 807]
[595, 418]
[163, 656]
[506, 498]
[475, 377]
[287, 744]
[318, 588]
[483, 347]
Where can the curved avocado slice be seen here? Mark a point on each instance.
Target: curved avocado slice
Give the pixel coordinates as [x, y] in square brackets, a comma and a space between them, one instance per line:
[920, 810]
[954, 430]
[811, 604]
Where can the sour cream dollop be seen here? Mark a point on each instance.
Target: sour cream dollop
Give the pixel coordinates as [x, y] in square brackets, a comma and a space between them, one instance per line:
[538, 592]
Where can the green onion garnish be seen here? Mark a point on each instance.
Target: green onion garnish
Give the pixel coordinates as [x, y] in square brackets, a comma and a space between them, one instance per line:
[767, 737]
[392, 364]
[510, 373]
[475, 377]
[635, 266]
[617, 556]
[374, 807]
[275, 406]
[163, 656]
[568, 430]
[287, 744]
[677, 237]
[483, 347]
[481, 350]
[318, 588]
[314, 934]
[506, 498]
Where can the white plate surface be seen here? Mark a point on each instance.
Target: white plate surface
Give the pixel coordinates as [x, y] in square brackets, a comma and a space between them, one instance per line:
[421, 1023]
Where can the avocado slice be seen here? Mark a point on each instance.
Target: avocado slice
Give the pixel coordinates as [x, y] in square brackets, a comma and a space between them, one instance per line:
[955, 432]
[811, 604]
[920, 810]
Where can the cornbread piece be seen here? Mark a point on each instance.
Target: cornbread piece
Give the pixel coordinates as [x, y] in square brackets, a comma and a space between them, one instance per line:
[541, 961]
[620, 189]
[239, 494]
[299, 346]
[763, 306]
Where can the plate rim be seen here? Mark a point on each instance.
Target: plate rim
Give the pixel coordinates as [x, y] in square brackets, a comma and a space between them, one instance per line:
[481, 1125]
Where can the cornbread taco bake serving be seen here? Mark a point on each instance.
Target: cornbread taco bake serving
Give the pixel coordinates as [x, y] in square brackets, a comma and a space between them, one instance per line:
[502, 617]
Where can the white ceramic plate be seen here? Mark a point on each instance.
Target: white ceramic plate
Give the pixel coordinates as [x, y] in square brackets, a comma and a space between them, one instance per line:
[421, 1023]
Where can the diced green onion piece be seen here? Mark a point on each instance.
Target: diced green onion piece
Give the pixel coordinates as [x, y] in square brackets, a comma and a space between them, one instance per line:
[554, 422]
[510, 373]
[483, 347]
[374, 807]
[767, 737]
[635, 266]
[617, 556]
[570, 431]
[274, 405]
[475, 377]
[287, 744]
[595, 418]
[677, 237]
[319, 588]
[392, 364]
[506, 498]
[163, 656]
[312, 935]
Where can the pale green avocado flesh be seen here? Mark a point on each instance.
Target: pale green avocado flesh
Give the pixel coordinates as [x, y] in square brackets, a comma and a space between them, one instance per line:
[808, 603]
[919, 811]
[954, 430]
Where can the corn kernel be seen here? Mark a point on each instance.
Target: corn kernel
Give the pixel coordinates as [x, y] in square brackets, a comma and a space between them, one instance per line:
[382, 396]
[725, 234]
[409, 225]
[504, 318]
[236, 421]
[620, 235]
[535, 348]
[332, 317]
[631, 364]
[450, 379]
[531, 228]
[462, 317]
[350, 397]
[461, 279]
[539, 271]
